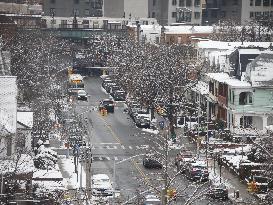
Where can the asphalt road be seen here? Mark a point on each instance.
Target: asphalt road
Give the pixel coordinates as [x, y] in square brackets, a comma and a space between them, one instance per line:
[117, 142]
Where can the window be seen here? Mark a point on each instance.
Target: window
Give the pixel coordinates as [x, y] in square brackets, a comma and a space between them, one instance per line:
[258, 14]
[250, 98]
[154, 2]
[174, 14]
[197, 3]
[53, 21]
[243, 98]
[174, 2]
[251, 2]
[197, 15]
[233, 97]
[266, 14]
[258, 2]
[76, 1]
[265, 2]
[251, 14]
[214, 14]
[76, 12]
[153, 14]
[179, 39]
[52, 1]
[188, 3]
[52, 11]
[86, 12]
[182, 3]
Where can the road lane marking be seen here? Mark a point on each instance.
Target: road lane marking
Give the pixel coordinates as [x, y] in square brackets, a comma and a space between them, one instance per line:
[123, 147]
[109, 147]
[108, 158]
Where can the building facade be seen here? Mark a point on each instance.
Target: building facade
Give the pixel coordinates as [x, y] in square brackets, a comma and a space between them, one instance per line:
[67, 8]
[245, 103]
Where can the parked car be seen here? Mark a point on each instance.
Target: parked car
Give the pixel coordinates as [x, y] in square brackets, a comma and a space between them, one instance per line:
[151, 162]
[133, 108]
[197, 171]
[108, 104]
[82, 95]
[101, 185]
[113, 89]
[182, 159]
[119, 95]
[142, 122]
[152, 199]
[108, 86]
[218, 191]
[105, 82]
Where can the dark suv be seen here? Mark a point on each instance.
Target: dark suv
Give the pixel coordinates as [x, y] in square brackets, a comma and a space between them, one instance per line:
[218, 191]
[151, 162]
[108, 105]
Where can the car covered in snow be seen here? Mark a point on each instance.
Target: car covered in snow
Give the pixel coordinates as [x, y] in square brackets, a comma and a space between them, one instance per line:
[101, 185]
[152, 199]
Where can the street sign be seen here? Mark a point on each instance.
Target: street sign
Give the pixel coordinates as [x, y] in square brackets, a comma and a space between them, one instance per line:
[161, 124]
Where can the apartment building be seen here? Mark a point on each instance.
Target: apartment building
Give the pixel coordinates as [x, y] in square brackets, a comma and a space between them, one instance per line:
[67, 8]
[256, 9]
[245, 103]
[173, 12]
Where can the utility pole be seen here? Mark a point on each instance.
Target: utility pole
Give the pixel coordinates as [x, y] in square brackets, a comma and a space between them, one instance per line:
[164, 191]
[88, 162]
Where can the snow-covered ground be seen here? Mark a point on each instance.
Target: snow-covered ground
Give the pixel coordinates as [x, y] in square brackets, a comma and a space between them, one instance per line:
[73, 181]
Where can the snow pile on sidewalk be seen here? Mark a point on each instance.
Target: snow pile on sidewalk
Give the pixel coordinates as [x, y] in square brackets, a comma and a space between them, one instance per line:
[69, 167]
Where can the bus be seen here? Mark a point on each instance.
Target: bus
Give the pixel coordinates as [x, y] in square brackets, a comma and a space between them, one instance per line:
[75, 83]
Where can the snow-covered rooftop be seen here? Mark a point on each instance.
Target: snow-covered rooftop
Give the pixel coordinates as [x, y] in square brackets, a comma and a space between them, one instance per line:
[225, 78]
[25, 118]
[188, 29]
[237, 83]
[230, 45]
[260, 71]
[220, 77]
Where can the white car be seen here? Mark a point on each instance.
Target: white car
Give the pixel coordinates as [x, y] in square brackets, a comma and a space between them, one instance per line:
[101, 185]
[152, 199]
[82, 95]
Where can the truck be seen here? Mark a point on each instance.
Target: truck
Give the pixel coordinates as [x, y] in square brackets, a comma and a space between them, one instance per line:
[75, 83]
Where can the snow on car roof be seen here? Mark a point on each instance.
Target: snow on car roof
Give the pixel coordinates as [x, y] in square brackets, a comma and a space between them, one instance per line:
[100, 176]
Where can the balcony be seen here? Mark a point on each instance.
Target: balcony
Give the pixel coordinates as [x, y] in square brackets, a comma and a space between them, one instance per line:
[222, 101]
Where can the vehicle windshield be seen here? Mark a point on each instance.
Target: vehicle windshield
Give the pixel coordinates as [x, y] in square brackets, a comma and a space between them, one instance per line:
[108, 102]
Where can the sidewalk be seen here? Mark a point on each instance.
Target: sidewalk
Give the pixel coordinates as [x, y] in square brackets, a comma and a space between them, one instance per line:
[230, 180]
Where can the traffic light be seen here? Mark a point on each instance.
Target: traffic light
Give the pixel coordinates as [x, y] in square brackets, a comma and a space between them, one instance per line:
[252, 186]
[171, 193]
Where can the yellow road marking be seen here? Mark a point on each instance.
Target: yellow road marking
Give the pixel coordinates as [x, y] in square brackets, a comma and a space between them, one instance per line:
[133, 162]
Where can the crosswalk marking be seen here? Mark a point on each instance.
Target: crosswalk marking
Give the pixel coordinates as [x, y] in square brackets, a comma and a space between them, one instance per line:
[116, 147]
